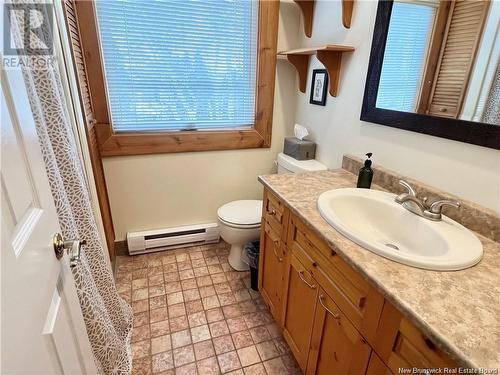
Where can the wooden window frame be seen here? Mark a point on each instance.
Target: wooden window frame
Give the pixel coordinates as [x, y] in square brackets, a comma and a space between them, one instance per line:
[113, 143]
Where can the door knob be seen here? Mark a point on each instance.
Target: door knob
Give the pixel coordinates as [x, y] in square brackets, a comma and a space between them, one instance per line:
[73, 247]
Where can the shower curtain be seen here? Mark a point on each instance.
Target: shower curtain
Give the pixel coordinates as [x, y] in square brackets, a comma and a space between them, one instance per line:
[108, 318]
[491, 114]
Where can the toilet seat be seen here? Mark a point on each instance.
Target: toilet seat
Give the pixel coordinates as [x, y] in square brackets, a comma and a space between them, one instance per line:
[241, 214]
[240, 226]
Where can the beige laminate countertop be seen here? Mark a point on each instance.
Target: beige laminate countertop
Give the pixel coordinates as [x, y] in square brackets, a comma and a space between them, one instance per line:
[459, 310]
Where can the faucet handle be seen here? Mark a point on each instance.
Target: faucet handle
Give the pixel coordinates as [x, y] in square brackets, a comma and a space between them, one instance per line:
[408, 187]
[437, 206]
[434, 211]
[401, 197]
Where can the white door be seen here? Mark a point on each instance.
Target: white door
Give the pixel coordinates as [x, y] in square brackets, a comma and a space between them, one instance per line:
[42, 328]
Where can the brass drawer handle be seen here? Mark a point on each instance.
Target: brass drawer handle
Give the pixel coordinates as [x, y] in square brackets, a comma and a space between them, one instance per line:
[335, 316]
[280, 259]
[272, 212]
[301, 275]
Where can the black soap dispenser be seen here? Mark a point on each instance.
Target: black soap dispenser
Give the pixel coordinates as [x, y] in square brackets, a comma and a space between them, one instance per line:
[366, 174]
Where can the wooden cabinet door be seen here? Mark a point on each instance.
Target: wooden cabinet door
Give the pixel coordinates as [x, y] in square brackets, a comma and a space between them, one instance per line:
[272, 271]
[401, 345]
[377, 367]
[300, 306]
[336, 346]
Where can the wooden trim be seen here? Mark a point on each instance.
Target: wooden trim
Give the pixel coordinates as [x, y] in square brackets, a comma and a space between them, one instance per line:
[121, 248]
[101, 189]
[454, 110]
[477, 133]
[266, 71]
[438, 35]
[81, 70]
[168, 142]
[92, 57]
[472, 58]
[114, 144]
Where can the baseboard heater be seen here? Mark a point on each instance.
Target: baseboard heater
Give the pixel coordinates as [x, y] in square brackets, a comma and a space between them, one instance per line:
[170, 238]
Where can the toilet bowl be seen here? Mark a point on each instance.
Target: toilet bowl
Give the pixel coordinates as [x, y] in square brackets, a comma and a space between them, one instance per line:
[240, 220]
[239, 224]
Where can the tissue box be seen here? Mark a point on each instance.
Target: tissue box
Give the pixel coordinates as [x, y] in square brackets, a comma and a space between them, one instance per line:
[299, 149]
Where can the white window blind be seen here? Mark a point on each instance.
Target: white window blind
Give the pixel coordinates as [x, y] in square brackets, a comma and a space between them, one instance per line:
[408, 38]
[179, 64]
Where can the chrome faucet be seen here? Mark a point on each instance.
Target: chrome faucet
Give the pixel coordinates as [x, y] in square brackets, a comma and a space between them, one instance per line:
[420, 207]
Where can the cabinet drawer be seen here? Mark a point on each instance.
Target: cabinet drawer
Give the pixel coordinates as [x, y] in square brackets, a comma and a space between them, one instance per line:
[274, 213]
[401, 345]
[354, 295]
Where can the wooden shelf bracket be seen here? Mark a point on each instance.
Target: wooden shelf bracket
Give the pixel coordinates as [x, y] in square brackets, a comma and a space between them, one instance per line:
[301, 63]
[347, 6]
[330, 56]
[307, 8]
[332, 62]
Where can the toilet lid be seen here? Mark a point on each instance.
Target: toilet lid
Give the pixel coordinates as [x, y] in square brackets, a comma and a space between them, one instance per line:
[244, 212]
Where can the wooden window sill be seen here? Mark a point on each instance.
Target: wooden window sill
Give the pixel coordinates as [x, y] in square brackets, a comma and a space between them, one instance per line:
[120, 144]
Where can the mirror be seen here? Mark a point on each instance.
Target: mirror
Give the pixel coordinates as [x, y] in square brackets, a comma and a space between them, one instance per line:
[434, 69]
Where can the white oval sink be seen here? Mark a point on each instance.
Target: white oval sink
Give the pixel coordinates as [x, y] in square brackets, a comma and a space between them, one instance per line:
[373, 220]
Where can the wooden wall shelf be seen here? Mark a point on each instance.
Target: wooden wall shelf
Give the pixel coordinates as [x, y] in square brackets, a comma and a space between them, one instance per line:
[329, 55]
[307, 9]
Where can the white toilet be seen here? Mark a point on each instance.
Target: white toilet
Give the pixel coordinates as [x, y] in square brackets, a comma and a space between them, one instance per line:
[240, 220]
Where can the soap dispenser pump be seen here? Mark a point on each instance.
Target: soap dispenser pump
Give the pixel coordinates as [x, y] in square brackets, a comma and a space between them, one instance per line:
[366, 174]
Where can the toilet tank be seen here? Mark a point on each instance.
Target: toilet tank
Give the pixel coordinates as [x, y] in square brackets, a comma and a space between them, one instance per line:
[287, 164]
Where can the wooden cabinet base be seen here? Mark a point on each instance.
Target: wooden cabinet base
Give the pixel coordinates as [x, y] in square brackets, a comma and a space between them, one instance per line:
[334, 321]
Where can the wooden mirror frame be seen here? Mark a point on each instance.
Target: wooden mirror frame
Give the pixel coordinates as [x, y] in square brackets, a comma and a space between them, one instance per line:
[476, 133]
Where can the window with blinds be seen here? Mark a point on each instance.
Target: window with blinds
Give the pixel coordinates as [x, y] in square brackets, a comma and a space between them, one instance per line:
[405, 54]
[179, 64]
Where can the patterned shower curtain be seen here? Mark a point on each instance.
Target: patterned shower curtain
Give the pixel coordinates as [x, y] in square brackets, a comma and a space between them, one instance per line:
[108, 318]
[491, 114]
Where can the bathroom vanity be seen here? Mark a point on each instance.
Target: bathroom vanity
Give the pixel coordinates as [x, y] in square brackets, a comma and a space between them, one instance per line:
[345, 310]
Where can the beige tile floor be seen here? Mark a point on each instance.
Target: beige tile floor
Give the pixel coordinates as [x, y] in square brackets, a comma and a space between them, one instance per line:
[194, 315]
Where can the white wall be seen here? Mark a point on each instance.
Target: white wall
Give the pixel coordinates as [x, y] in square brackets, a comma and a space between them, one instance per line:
[156, 191]
[469, 171]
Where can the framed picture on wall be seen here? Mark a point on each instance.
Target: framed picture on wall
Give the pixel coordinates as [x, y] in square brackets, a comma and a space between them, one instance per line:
[319, 87]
